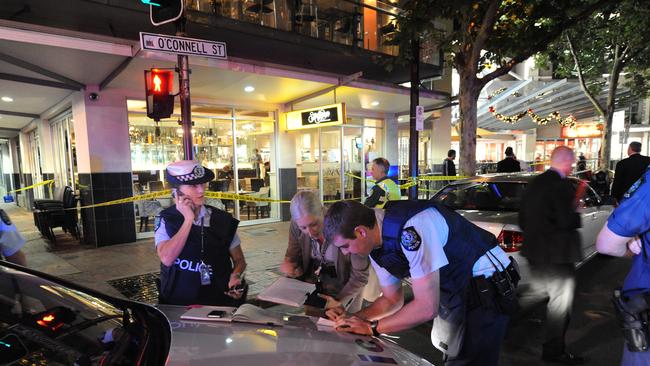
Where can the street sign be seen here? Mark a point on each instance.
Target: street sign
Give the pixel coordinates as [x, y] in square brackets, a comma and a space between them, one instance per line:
[419, 118]
[182, 45]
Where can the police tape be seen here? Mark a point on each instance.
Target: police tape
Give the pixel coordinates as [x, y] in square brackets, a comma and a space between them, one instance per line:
[242, 197]
[50, 182]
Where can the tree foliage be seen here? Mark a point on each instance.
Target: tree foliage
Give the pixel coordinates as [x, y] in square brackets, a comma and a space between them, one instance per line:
[488, 38]
[613, 42]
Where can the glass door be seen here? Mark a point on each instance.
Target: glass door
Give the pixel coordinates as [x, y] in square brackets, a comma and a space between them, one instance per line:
[255, 150]
[353, 163]
[65, 168]
[331, 162]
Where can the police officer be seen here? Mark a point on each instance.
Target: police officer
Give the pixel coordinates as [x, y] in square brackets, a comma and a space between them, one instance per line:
[453, 265]
[627, 233]
[385, 189]
[199, 249]
[11, 242]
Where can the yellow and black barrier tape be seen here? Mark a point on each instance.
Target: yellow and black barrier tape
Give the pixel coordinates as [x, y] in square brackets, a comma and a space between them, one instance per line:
[50, 182]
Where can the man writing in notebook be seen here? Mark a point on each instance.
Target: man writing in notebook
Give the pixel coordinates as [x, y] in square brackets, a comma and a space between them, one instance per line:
[447, 258]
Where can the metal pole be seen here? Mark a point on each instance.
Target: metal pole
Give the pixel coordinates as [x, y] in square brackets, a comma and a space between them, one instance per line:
[413, 132]
[184, 93]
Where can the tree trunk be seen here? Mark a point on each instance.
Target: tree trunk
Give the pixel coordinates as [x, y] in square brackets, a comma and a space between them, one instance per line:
[468, 120]
[606, 145]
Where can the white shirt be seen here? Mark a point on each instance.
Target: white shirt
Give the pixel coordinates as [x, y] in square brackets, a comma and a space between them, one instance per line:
[430, 256]
[204, 213]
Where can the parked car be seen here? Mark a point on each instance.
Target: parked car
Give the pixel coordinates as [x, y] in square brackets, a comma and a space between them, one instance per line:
[47, 321]
[493, 201]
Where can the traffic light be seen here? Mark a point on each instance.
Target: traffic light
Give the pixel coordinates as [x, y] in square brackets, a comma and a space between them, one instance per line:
[164, 11]
[158, 87]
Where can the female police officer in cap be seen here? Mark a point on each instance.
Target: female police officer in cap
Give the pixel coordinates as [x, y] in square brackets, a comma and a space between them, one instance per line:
[199, 249]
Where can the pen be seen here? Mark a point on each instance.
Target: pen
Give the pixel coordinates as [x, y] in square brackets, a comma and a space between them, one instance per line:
[348, 304]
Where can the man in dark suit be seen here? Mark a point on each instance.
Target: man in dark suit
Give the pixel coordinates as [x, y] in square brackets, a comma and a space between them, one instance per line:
[629, 170]
[448, 166]
[550, 223]
[509, 164]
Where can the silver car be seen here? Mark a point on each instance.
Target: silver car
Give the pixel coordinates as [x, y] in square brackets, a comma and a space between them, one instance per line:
[47, 321]
[493, 201]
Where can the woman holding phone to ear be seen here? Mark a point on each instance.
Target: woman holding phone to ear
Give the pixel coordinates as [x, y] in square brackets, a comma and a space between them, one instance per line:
[199, 249]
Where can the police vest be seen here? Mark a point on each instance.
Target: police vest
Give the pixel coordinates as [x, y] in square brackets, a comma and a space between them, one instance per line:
[466, 243]
[180, 283]
[391, 191]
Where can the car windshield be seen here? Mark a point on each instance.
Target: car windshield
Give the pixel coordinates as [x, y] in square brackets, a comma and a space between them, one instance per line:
[44, 323]
[488, 196]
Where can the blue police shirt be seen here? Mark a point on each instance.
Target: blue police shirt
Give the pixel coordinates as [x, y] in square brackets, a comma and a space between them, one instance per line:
[10, 239]
[632, 218]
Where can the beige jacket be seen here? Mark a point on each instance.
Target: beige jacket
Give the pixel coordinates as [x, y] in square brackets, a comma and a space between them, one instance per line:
[351, 269]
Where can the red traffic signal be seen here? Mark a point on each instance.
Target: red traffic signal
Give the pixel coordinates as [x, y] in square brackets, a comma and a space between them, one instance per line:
[158, 89]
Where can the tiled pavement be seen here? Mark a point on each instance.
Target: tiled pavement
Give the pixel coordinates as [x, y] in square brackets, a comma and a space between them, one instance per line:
[263, 245]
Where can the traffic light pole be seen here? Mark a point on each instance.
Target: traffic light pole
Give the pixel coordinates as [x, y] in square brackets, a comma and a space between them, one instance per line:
[184, 94]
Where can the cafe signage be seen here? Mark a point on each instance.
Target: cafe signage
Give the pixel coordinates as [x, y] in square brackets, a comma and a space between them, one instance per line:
[329, 115]
[582, 131]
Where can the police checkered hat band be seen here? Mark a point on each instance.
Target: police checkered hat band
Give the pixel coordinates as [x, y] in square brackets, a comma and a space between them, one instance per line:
[188, 172]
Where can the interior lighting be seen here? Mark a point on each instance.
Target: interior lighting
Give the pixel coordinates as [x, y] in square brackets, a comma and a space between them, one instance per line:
[374, 103]
[7, 99]
[249, 89]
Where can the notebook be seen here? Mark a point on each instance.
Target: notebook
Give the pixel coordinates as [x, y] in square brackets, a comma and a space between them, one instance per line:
[246, 313]
[287, 291]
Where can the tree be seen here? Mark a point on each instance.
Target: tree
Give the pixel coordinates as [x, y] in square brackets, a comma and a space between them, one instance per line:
[489, 37]
[612, 42]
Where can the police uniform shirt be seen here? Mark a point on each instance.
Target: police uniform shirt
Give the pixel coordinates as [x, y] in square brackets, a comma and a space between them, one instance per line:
[432, 232]
[205, 214]
[10, 239]
[632, 218]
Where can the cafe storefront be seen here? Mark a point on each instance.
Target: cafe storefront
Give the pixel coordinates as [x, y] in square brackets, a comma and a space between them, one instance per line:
[238, 144]
[333, 150]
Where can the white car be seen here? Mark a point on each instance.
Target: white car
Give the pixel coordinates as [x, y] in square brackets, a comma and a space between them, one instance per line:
[47, 321]
[492, 202]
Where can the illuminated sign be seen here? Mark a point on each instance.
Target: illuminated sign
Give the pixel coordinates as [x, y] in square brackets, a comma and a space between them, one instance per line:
[329, 115]
[582, 131]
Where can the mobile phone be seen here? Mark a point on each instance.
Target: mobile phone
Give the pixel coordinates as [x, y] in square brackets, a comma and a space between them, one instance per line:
[216, 314]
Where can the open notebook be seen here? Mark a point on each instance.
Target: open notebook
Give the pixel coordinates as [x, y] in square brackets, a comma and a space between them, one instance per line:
[287, 291]
[246, 313]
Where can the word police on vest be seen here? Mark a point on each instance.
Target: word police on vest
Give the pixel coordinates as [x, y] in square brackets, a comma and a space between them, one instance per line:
[186, 265]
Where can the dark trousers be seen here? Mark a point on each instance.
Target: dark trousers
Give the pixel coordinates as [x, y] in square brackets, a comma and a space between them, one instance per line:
[558, 283]
[484, 332]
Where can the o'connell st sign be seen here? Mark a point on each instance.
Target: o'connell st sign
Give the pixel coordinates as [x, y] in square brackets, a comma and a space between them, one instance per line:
[329, 115]
[182, 45]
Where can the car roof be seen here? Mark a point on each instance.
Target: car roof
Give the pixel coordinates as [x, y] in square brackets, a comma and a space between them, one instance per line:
[500, 177]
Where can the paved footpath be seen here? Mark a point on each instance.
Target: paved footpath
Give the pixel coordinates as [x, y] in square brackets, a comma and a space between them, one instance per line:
[263, 245]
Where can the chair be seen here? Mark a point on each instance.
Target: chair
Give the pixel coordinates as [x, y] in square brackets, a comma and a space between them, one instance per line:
[137, 189]
[260, 207]
[146, 209]
[257, 184]
[155, 185]
[49, 214]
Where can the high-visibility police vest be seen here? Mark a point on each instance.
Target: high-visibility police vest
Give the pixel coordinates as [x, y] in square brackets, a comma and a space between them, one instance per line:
[391, 191]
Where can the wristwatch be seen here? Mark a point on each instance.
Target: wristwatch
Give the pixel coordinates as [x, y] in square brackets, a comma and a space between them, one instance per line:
[373, 326]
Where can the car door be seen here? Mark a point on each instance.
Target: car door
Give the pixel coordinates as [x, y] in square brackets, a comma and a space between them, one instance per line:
[592, 220]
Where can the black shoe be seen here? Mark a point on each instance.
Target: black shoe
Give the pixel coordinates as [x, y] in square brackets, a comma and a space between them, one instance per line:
[565, 358]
